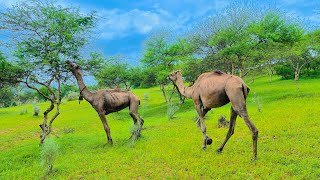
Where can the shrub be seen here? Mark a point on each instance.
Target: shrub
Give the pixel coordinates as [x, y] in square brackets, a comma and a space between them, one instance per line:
[36, 110]
[222, 122]
[285, 71]
[49, 153]
[23, 111]
[146, 96]
[171, 110]
[256, 100]
[68, 130]
[71, 95]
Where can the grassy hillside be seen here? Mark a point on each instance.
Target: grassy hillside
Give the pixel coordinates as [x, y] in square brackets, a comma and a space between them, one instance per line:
[288, 144]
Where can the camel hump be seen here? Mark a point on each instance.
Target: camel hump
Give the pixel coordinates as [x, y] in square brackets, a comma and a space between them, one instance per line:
[218, 72]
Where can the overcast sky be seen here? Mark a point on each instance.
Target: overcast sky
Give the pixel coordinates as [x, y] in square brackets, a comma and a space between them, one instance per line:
[125, 24]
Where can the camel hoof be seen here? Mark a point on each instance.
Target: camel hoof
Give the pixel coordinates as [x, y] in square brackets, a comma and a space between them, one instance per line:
[255, 158]
[110, 142]
[204, 148]
[107, 144]
[219, 151]
[209, 141]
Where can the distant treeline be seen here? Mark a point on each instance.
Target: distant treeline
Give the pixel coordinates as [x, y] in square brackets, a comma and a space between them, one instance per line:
[243, 39]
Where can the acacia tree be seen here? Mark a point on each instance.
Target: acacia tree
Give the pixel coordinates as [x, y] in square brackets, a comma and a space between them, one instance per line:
[161, 56]
[279, 38]
[45, 35]
[114, 73]
[10, 73]
[224, 38]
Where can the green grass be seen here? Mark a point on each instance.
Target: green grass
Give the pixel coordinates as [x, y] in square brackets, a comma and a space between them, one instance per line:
[288, 144]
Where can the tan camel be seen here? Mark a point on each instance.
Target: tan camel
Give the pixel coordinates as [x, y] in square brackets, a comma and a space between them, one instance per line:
[215, 89]
[108, 101]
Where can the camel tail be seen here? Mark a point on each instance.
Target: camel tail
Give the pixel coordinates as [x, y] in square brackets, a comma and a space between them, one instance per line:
[245, 90]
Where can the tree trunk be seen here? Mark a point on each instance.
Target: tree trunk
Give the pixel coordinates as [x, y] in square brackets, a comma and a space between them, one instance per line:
[296, 75]
[253, 75]
[270, 72]
[232, 68]
[162, 87]
[242, 69]
[47, 127]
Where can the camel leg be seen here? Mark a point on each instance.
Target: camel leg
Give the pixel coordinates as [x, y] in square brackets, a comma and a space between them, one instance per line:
[253, 129]
[233, 118]
[205, 111]
[206, 139]
[105, 126]
[238, 102]
[135, 117]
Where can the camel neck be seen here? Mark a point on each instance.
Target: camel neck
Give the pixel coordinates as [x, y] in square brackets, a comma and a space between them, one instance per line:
[83, 89]
[185, 91]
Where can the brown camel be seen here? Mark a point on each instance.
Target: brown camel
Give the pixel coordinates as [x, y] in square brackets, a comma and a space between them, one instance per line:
[108, 101]
[215, 89]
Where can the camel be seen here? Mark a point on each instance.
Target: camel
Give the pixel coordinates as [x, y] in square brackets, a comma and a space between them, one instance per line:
[106, 101]
[216, 89]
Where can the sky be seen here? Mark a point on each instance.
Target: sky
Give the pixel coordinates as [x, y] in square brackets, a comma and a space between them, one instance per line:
[124, 25]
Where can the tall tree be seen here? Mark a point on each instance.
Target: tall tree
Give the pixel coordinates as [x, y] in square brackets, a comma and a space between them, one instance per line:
[45, 35]
[276, 35]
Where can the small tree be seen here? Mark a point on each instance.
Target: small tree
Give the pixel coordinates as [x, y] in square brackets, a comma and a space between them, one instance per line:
[161, 55]
[10, 73]
[114, 73]
[45, 35]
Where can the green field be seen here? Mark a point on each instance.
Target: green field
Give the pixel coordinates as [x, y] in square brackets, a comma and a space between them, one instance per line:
[288, 144]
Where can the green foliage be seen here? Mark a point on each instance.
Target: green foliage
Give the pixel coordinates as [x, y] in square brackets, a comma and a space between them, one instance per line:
[49, 153]
[284, 70]
[48, 35]
[114, 73]
[10, 73]
[7, 96]
[161, 55]
[45, 35]
[71, 96]
[275, 28]
[66, 89]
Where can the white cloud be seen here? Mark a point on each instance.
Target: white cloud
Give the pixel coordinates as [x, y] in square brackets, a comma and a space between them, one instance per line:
[9, 3]
[118, 23]
[315, 18]
[301, 3]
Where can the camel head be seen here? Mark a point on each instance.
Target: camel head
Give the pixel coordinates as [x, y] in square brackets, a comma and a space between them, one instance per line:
[174, 76]
[75, 68]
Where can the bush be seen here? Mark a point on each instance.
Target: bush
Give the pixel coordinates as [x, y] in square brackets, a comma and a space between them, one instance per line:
[146, 97]
[171, 110]
[68, 130]
[23, 111]
[285, 71]
[71, 95]
[256, 99]
[36, 110]
[222, 122]
[49, 153]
